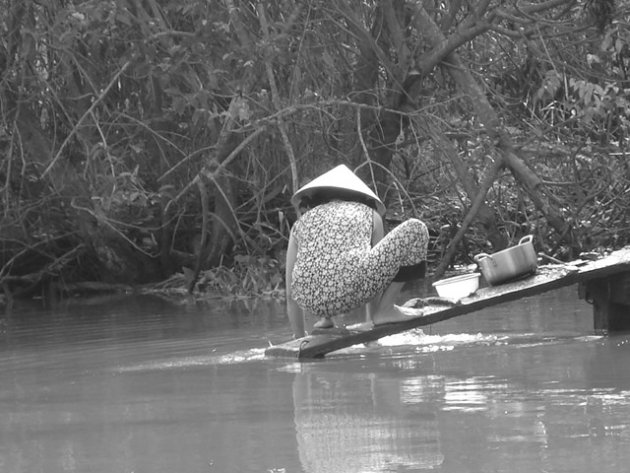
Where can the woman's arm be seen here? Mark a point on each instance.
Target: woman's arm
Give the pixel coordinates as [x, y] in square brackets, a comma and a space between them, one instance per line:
[378, 232]
[296, 316]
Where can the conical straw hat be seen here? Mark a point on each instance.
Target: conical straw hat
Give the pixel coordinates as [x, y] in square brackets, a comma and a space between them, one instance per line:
[340, 178]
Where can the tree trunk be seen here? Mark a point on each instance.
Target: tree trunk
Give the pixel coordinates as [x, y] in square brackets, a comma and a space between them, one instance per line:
[381, 128]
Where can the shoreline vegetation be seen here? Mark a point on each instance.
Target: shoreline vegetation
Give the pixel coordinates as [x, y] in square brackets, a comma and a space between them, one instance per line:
[149, 146]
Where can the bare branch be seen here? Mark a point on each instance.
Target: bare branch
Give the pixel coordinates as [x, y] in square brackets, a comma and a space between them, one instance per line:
[87, 113]
[275, 97]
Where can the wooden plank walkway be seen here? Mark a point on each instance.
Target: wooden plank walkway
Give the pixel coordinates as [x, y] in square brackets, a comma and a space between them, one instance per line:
[546, 278]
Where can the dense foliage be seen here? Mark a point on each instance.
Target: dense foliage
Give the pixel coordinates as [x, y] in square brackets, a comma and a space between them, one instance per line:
[141, 139]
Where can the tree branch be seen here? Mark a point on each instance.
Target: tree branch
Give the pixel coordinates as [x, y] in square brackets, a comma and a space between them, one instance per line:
[476, 205]
[87, 113]
[275, 97]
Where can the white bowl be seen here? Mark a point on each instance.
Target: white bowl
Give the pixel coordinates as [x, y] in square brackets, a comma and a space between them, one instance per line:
[458, 286]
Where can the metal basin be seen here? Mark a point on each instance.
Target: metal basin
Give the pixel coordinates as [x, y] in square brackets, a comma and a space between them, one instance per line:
[510, 263]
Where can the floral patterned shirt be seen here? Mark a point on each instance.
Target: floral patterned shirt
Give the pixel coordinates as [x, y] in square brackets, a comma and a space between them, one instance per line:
[336, 267]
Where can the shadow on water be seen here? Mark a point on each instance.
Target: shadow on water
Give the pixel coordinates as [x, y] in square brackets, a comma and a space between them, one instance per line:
[141, 384]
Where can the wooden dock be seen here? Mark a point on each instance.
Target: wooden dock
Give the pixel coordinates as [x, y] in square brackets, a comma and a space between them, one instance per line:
[604, 282]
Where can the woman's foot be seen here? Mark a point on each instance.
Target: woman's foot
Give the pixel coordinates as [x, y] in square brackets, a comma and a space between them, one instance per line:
[324, 322]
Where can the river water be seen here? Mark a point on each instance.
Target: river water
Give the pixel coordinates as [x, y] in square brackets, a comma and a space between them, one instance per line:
[139, 384]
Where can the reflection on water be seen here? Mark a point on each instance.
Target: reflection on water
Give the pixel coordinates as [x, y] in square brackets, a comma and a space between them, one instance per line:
[140, 385]
[363, 422]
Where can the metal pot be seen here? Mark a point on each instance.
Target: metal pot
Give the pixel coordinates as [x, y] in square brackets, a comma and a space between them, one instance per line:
[510, 263]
